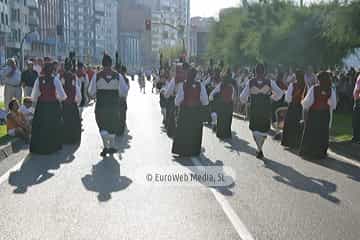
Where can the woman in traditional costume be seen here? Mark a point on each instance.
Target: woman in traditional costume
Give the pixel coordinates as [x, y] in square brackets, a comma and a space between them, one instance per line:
[169, 94]
[47, 123]
[292, 128]
[260, 90]
[319, 102]
[70, 110]
[84, 83]
[190, 98]
[108, 86]
[225, 106]
[123, 101]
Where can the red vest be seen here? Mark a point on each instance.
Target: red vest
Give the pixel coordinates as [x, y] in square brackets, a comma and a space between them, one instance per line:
[47, 90]
[70, 87]
[191, 94]
[226, 92]
[321, 100]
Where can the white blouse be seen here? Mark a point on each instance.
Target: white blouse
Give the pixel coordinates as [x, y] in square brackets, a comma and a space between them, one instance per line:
[310, 99]
[123, 87]
[60, 92]
[277, 93]
[289, 93]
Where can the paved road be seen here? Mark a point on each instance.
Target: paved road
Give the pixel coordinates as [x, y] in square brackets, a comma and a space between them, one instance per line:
[77, 195]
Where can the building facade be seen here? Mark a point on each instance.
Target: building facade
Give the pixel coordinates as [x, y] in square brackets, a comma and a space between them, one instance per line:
[170, 24]
[106, 29]
[4, 28]
[134, 40]
[199, 36]
[77, 23]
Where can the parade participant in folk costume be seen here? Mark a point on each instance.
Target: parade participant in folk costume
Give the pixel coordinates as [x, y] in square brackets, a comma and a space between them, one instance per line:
[190, 97]
[84, 83]
[108, 87]
[161, 86]
[292, 132]
[261, 91]
[225, 93]
[319, 102]
[169, 93]
[70, 110]
[47, 123]
[90, 72]
[356, 112]
[210, 84]
[123, 101]
[142, 83]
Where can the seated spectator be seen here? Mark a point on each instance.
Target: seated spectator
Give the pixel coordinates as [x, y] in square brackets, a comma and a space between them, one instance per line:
[16, 123]
[27, 109]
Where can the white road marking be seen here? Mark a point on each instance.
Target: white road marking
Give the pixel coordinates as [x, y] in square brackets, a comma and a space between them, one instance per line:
[6, 175]
[239, 226]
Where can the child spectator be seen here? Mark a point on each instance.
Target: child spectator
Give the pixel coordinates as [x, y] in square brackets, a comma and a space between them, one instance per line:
[27, 109]
[16, 123]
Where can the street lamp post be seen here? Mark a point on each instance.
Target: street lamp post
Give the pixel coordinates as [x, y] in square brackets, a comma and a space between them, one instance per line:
[22, 48]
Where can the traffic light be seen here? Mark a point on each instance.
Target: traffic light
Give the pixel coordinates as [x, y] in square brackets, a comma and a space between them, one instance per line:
[148, 25]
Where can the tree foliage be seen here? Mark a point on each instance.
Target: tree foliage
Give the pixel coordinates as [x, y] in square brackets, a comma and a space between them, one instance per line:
[279, 32]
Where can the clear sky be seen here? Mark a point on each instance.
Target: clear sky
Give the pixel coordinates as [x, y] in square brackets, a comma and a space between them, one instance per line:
[208, 8]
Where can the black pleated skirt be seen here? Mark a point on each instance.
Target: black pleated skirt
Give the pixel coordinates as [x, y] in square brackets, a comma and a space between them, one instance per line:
[108, 118]
[224, 121]
[292, 128]
[123, 110]
[46, 128]
[188, 134]
[315, 140]
[72, 123]
[170, 117]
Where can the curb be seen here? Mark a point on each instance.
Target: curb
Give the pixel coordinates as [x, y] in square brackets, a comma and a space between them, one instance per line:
[12, 147]
[346, 149]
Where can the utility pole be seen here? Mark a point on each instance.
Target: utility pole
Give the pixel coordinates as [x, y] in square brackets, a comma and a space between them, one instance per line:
[94, 30]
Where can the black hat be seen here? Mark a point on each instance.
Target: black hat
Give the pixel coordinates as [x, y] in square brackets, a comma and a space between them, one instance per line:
[106, 61]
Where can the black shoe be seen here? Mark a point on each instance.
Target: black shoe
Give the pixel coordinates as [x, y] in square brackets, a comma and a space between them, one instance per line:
[104, 152]
[260, 155]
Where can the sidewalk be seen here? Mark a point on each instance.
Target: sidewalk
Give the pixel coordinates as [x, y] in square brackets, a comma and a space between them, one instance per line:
[346, 149]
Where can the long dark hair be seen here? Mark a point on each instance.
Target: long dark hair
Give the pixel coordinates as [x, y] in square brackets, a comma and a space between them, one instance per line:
[300, 78]
[325, 82]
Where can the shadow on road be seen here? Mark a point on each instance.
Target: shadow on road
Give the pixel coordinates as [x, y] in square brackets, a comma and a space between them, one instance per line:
[352, 171]
[105, 179]
[203, 161]
[35, 168]
[105, 176]
[289, 176]
[239, 145]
